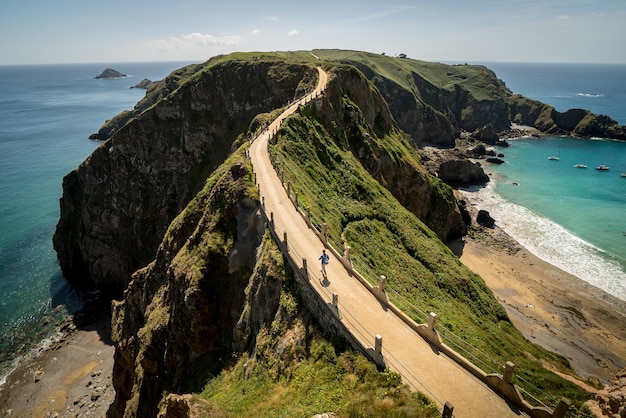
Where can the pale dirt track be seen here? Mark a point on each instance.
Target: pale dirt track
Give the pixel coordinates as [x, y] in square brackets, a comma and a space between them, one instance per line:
[421, 365]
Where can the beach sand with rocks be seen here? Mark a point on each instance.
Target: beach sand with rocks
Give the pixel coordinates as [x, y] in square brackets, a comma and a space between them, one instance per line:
[72, 377]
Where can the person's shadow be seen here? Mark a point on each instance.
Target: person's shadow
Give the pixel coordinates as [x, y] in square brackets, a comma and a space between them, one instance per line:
[324, 280]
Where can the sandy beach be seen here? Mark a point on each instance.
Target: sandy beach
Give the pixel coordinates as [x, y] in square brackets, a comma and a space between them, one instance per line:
[551, 307]
[72, 377]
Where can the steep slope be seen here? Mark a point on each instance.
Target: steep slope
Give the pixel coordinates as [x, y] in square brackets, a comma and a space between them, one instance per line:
[168, 201]
[220, 300]
[118, 204]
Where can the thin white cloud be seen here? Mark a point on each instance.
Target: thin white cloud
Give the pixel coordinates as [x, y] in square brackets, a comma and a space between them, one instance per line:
[206, 39]
[563, 17]
[272, 18]
[192, 41]
[292, 32]
[256, 32]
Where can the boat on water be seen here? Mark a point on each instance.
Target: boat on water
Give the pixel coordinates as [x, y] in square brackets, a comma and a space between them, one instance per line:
[623, 174]
[602, 167]
[580, 166]
[553, 158]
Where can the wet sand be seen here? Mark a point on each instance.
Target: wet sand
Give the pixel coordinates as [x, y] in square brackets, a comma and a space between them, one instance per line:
[551, 307]
[70, 378]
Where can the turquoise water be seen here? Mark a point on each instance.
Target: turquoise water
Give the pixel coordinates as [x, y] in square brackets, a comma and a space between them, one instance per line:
[571, 217]
[47, 113]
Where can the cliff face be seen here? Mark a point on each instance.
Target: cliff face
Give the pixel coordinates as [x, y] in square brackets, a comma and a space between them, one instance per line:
[353, 108]
[118, 204]
[211, 288]
[168, 202]
[577, 122]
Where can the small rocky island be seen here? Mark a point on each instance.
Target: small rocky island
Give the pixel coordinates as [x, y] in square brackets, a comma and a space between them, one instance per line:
[110, 73]
[143, 84]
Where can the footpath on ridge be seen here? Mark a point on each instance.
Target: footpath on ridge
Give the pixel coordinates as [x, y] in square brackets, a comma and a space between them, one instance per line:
[422, 366]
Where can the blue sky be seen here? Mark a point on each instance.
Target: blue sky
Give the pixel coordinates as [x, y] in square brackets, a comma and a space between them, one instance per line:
[79, 31]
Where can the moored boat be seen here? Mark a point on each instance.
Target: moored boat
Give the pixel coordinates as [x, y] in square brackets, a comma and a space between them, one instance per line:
[602, 167]
[580, 166]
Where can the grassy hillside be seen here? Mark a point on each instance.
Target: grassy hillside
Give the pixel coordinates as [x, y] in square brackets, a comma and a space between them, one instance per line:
[442, 76]
[296, 372]
[423, 275]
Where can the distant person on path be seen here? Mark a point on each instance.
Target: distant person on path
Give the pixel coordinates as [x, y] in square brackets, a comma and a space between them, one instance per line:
[324, 259]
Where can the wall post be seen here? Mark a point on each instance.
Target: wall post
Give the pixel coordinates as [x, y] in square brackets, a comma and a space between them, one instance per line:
[432, 321]
[508, 372]
[448, 408]
[378, 344]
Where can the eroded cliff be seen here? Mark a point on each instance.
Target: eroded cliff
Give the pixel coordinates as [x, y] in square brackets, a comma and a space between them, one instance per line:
[118, 204]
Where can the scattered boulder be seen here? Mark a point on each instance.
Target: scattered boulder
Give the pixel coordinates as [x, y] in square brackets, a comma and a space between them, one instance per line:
[486, 134]
[612, 399]
[110, 73]
[462, 173]
[495, 160]
[484, 218]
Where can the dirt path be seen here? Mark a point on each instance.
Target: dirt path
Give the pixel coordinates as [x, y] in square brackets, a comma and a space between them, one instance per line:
[425, 368]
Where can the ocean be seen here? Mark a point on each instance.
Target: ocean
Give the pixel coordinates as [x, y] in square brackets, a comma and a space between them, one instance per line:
[47, 113]
[571, 217]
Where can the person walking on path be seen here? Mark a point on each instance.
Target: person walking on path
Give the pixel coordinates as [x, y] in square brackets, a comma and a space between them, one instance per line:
[324, 259]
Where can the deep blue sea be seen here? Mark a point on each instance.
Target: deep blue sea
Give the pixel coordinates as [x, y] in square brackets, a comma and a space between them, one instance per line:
[570, 216]
[47, 113]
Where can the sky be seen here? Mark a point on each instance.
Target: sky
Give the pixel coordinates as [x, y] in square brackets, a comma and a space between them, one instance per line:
[79, 31]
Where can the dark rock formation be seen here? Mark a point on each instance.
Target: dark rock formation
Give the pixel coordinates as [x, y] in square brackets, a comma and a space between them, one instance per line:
[174, 328]
[486, 134]
[143, 84]
[576, 122]
[110, 73]
[118, 204]
[484, 218]
[462, 173]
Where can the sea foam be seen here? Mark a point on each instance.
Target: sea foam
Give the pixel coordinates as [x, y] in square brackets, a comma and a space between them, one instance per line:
[551, 242]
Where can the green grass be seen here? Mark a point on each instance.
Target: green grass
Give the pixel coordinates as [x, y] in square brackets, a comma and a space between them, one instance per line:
[387, 239]
[346, 384]
[476, 79]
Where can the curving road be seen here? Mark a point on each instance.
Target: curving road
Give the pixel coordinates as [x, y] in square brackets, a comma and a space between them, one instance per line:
[421, 366]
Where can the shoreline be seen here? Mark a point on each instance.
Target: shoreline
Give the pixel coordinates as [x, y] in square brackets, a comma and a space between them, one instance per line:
[549, 306]
[71, 376]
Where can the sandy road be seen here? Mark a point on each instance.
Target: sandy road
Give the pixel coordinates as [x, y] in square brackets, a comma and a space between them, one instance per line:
[421, 365]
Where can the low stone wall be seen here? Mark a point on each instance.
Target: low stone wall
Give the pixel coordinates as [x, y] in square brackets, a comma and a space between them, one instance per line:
[329, 317]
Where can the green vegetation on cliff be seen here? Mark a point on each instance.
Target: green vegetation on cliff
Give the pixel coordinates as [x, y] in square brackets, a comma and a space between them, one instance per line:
[296, 371]
[421, 271]
[218, 305]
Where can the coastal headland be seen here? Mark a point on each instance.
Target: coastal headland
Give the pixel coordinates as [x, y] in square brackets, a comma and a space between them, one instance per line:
[168, 223]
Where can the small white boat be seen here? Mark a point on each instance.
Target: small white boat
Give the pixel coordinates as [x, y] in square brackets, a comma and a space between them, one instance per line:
[553, 158]
[580, 166]
[602, 167]
[623, 174]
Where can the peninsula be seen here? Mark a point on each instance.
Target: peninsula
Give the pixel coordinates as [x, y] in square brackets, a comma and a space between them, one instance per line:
[166, 217]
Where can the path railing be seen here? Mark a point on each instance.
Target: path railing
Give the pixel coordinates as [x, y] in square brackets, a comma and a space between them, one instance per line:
[497, 376]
